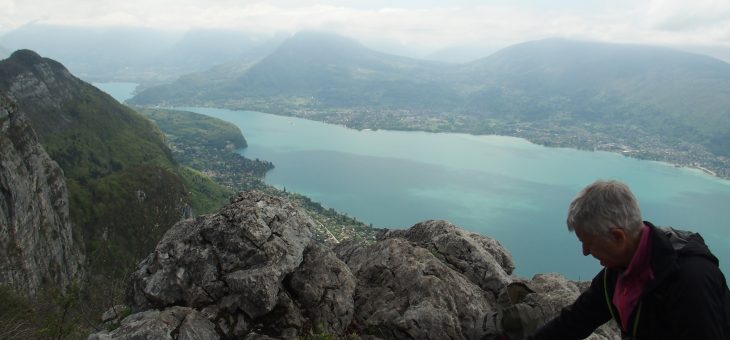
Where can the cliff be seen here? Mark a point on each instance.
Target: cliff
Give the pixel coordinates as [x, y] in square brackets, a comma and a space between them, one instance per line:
[38, 247]
[123, 187]
[252, 271]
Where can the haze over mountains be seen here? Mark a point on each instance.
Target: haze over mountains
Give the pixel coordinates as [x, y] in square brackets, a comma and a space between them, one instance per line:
[138, 54]
[593, 93]
[315, 69]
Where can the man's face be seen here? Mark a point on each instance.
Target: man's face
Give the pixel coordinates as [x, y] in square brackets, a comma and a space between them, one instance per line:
[607, 249]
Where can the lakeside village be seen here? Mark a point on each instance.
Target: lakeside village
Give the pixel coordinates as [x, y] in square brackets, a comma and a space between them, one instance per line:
[629, 141]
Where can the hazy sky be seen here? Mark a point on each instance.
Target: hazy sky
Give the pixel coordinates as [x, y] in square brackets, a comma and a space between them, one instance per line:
[422, 25]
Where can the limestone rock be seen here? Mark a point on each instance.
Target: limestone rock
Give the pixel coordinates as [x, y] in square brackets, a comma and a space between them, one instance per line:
[35, 231]
[325, 288]
[232, 262]
[252, 271]
[114, 313]
[181, 323]
[483, 260]
[527, 305]
[405, 291]
[45, 83]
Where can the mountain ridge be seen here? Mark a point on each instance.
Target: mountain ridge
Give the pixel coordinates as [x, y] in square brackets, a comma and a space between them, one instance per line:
[120, 175]
[308, 71]
[142, 55]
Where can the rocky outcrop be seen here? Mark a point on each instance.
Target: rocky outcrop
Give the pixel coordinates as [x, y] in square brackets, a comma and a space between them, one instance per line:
[251, 271]
[482, 259]
[405, 292]
[526, 305]
[172, 323]
[35, 232]
[28, 78]
[230, 265]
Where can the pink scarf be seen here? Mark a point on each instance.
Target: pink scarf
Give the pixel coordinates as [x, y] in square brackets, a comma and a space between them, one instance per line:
[630, 284]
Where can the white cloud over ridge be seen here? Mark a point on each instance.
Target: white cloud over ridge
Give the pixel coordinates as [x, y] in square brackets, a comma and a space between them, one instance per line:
[425, 25]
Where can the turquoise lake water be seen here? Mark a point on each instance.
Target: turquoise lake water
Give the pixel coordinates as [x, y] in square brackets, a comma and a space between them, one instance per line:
[502, 187]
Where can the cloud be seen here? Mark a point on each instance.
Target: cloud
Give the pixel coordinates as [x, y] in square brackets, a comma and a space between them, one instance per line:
[679, 15]
[422, 24]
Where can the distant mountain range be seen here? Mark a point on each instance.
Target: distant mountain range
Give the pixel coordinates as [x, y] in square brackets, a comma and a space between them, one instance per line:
[138, 54]
[616, 90]
[659, 90]
[317, 70]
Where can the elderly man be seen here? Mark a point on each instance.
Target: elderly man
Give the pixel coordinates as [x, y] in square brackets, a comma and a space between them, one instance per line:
[658, 283]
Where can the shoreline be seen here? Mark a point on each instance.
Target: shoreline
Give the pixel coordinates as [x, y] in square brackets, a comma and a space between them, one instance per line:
[704, 169]
[707, 171]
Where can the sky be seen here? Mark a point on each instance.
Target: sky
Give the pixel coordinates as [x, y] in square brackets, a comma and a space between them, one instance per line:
[417, 27]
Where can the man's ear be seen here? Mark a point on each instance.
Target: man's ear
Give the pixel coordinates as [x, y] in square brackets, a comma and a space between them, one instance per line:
[618, 235]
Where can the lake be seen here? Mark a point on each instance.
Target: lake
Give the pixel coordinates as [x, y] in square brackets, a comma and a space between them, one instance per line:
[502, 187]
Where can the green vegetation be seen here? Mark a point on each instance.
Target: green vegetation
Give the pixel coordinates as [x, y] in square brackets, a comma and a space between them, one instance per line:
[104, 137]
[206, 196]
[52, 314]
[124, 189]
[129, 211]
[207, 145]
[197, 129]
[17, 318]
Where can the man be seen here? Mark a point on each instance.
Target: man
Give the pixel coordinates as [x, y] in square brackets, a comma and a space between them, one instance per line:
[657, 283]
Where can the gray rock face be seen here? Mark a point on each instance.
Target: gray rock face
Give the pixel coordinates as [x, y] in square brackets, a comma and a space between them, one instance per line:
[45, 83]
[406, 292]
[527, 305]
[251, 271]
[35, 232]
[483, 260]
[231, 264]
[325, 288]
[181, 323]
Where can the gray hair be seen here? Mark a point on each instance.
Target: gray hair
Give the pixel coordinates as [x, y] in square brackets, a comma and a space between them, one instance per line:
[604, 205]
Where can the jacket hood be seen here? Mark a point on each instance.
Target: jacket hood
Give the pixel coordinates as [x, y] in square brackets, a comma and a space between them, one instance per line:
[687, 243]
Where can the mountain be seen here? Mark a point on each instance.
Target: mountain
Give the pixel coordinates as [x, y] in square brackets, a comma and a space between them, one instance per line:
[585, 75]
[138, 54]
[123, 187]
[315, 70]
[460, 54]
[94, 53]
[629, 92]
[39, 249]
[201, 49]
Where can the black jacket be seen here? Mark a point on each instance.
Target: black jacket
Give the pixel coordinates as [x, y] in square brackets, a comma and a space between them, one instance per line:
[687, 299]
